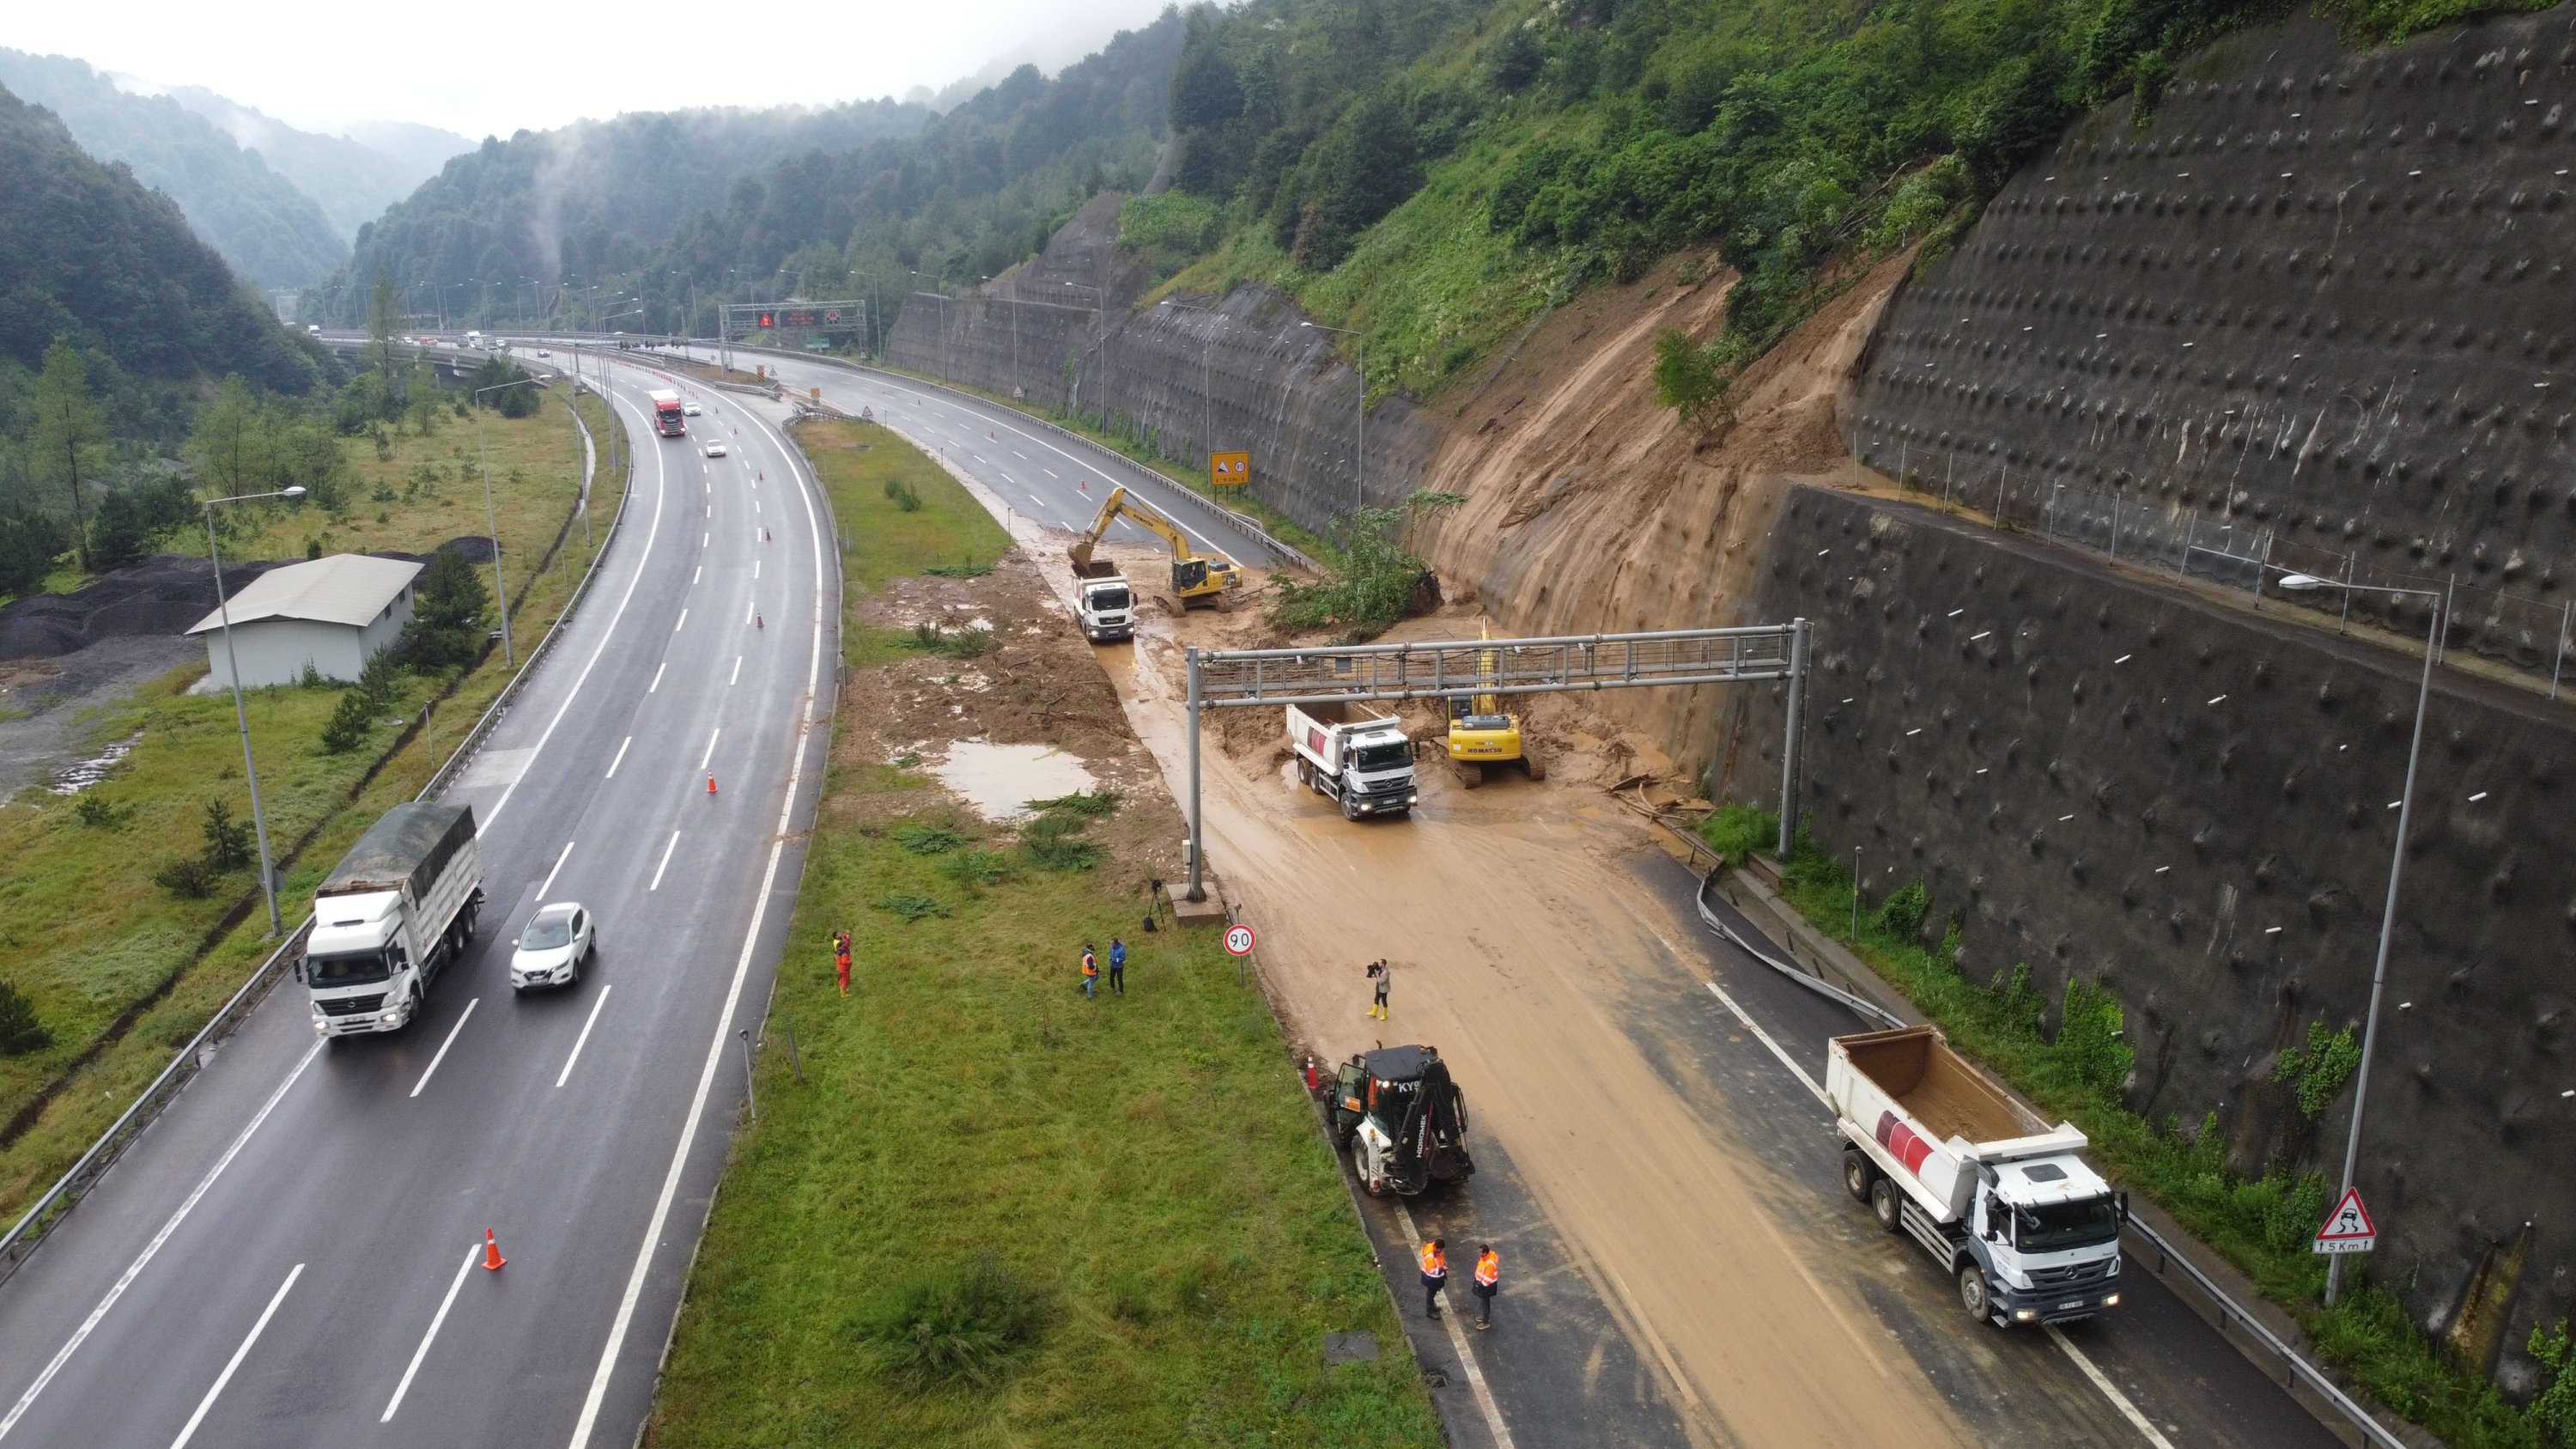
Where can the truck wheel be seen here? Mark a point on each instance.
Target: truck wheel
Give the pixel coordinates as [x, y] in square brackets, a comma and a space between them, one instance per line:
[1885, 1206]
[1974, 1295]
[1349, 810]
[1305, 773]
[1857, 1174]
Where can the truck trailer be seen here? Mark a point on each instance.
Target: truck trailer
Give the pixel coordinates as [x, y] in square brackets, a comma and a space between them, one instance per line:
[2001, 1200]
[391, 916]
[668, 418]
[1364, 761]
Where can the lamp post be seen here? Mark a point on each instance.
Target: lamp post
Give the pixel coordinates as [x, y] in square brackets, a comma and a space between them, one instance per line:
[2305, 583]
[492, 512]
[1359, 477]
[241, 712]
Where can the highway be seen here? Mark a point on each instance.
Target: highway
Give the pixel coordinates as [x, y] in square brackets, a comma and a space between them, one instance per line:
[290, 1254]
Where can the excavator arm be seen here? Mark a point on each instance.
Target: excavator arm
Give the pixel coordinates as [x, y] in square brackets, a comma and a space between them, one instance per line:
[1195, 577]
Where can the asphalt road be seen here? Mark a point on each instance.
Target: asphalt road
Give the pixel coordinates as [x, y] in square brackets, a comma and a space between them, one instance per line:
[288, 1255]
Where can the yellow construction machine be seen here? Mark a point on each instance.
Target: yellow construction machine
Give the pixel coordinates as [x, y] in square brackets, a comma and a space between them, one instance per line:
[1482, 735]
[1198, 579]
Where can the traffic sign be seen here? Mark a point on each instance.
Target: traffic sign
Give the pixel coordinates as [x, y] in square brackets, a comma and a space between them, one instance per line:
[1238, 940]
[1230, 470]
[2348, 1228]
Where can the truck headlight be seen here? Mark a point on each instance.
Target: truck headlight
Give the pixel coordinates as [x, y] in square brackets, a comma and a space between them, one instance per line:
[2024, 1315]
[2110, 1300]
[1412, 799]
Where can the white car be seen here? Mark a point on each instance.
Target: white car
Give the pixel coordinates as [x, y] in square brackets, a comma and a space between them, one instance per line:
[691, 410]
[541, 352]
[715, 450]
[558, 939]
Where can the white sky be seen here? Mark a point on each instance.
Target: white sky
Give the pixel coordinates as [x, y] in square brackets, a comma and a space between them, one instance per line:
[322, 64]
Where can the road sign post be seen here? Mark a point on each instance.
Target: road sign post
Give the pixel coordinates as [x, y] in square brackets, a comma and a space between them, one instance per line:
[2348, 1228]
[1238, 939]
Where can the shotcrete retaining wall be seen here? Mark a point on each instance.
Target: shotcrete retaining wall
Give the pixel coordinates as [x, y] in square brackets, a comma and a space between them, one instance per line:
[1190, 375]
[2102, 777]
[2319, 307]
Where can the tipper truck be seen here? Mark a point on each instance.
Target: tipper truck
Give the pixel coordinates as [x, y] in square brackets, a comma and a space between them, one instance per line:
[2001, 1200]
[1403, 1119]
[390, 918]
[1362, 760]
[1103, 602]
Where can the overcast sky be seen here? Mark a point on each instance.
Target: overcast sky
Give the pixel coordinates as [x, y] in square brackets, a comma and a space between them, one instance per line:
[322, 64]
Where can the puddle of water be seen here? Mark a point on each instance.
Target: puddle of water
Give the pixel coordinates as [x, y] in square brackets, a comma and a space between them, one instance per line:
[1001, 780]
[74, 778]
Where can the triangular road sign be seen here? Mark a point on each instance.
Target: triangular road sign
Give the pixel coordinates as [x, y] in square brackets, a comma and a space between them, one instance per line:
[2348, 1228]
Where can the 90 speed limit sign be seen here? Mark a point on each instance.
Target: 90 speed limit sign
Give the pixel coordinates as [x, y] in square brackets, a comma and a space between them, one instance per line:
[1238, 940]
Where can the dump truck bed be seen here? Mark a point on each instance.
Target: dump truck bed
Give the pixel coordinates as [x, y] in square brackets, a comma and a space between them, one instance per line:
[1939, 1090]
[1929, 1117]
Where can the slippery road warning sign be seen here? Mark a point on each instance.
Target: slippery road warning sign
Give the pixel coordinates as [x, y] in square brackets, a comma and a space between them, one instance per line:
[2348, 1228]
[1238, 940]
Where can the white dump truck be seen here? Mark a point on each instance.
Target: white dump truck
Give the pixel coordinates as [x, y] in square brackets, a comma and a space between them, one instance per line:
[1103, 602]
[1360, 759]
[390, 918]
[2001, 1200]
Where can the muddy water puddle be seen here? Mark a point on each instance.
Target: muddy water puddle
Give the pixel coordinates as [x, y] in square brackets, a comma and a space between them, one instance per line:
[1001, 780]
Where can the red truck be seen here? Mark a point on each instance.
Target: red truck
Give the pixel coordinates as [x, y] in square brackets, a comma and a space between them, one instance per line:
[667, 417]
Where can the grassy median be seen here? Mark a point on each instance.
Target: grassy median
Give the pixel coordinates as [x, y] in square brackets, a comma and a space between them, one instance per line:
[990, 1210]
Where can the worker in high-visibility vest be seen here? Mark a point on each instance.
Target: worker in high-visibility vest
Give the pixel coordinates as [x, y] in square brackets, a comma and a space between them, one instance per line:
[1435, 1274]
[1489, 1276]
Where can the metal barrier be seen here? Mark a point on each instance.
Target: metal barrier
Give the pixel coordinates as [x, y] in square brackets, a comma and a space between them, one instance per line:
[1464, 667]
[1866, 1009]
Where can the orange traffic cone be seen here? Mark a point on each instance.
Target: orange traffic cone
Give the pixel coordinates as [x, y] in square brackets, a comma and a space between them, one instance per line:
[492, 1259]
[1314, 1083]
[711, 784]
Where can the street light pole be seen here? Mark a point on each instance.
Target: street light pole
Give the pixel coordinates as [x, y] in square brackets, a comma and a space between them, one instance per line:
[241, 712]
[492, 512]
[1359, 479]
[2396, 874]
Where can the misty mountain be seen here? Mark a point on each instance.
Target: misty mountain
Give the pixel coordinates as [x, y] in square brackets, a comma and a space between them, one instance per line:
[268, 230]
[352, 181]
[421, 148]
[502, 226]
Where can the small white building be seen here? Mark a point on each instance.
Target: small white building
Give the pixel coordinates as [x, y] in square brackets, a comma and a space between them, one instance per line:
[332, 613]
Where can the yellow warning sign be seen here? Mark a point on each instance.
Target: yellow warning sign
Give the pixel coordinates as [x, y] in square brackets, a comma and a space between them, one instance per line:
[1230, 470]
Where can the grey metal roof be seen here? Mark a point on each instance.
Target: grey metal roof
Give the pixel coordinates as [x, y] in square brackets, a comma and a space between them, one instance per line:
[346, 588]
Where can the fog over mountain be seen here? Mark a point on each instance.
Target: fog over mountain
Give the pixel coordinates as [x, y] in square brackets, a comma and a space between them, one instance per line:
[352, 179]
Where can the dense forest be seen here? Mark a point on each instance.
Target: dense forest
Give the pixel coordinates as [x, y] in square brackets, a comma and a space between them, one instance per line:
[535, 224]
[351, 180]
[269, 231]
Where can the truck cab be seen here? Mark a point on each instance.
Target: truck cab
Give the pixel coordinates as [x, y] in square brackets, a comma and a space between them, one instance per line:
[1402, 1119]
[2046, 1234]
[1362, 761]
[1107, 608]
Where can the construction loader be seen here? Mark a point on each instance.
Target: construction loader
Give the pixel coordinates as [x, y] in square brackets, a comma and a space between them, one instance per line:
[1198, 579]
[1402, 1120]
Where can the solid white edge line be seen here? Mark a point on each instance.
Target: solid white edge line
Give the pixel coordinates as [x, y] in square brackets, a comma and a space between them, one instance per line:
[666, 862]
[598, 1395]
[637, 577]
[621, 755]
[2110, 1390]
[577, 1042]
[1786, 1060]
[189, 1430]
[430, 1337]
[81, 1334]
[461, 1018]
[1493, 1412]
[549, 882]
[710, 755]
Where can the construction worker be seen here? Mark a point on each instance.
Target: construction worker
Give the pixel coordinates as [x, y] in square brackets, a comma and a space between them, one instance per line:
[1435, 1274]
[1117, 966]
[1381, 976]
[1090, 972]
[1489, 1276]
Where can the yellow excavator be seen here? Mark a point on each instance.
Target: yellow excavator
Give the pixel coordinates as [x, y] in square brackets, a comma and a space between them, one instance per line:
[1199, 579]
[1482, 734]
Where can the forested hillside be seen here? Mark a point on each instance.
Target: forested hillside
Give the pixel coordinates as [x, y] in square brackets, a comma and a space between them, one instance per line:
[507, 228]
[267, 229]
[351, 180]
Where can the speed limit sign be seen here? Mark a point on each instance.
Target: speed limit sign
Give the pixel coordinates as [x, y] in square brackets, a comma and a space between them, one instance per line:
[1238, 940]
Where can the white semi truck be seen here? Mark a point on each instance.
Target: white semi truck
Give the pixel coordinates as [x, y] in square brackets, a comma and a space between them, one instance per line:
[2001, 1200]
[390, 918]
[1364, 761]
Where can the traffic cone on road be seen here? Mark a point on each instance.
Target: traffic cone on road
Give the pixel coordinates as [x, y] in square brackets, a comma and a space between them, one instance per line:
[711, 785]
[757, 623]
[1314, 1083]
[492, 1259]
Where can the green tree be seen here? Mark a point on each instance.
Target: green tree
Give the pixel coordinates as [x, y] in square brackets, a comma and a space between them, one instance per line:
[20, 1031]
[29, 542]
[230, 445]
[70, 433]
[228, 842]
[121, 531]
[448, 625]
[384, 315]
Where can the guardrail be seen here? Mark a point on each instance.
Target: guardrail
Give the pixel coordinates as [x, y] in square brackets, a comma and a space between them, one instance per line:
[1867, 1010]
[32, 1227]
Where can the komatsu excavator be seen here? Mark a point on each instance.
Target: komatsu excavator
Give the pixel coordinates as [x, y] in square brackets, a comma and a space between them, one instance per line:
[1199, 580]
[1482, 735]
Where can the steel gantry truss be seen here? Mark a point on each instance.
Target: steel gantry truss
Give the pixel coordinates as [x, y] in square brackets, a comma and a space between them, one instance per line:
[1462, 668]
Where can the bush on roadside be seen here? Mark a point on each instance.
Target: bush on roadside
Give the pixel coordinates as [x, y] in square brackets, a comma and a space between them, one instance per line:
[1377, 581]
[228, 841]
[20, 1031]
[187, 877]
[957, 1326]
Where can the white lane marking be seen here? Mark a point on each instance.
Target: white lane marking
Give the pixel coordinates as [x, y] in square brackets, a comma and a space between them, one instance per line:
[1458, 1340]
[549, 882]
[566, 1074]
[598, 1394]
[422, 1352]
[656, 684]
[702, 539]
[755, 568]
[666, 862]
[711, 510]
[695, 574]
[81, 1335]
[755, 505]
[605, 635]
[1786, 1060]
[621, 751]
[461, 1018]
[2110, 1390]
[711, 748]
[684, 621]
[753, 609]
[189, 1431]
[737, 672]
[1050, 472]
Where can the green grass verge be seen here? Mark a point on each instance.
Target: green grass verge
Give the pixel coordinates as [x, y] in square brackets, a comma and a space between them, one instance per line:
[2263, 1225]
[993, 1211]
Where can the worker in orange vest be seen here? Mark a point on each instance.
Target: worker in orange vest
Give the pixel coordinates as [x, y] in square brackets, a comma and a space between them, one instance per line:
[1489, 1276]
[1090, 971]
[1435, 1274]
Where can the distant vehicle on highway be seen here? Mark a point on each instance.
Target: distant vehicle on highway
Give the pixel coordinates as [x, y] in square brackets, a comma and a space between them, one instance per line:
[691, 410]
[541, 352]
[553, 947]
[313, 328]
[715, 450]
